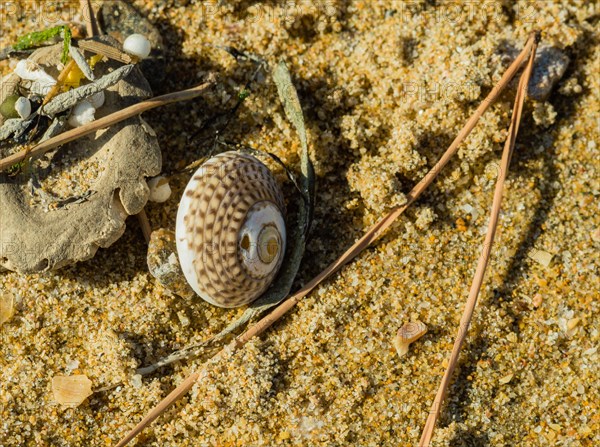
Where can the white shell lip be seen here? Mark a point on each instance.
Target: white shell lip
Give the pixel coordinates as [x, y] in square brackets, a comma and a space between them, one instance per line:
[261, 215]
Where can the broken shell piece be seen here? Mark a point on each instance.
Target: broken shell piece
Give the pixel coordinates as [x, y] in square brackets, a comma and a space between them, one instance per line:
[407, 334]
[29, 70]
[137, 45]
[82, 113]
[23, 107]
[71, 390]
[160, 191]
[7, 307]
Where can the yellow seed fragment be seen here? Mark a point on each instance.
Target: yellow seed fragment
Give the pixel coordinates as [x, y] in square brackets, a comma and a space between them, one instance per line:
[71, 390]
[407, 334]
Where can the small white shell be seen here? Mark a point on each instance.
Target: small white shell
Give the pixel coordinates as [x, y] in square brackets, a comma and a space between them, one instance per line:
[160, 191]
[23, 107]
[82, 113]
[41, 82]
[137, 45]
[230, 230]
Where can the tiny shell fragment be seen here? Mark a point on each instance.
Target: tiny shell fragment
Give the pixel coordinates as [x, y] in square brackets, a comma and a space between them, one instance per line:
[407, 334]
[541, 257]
[160, 191]
[71, 390]
[504, 380]
[7, 304]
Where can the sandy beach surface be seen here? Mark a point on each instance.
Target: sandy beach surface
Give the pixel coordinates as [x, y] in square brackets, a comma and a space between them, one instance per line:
[385, 87]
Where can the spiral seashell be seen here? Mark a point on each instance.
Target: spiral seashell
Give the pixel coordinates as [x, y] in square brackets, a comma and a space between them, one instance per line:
[230, 229]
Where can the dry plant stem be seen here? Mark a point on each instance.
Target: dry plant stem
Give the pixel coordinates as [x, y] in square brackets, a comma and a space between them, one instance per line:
[145, 225]
[370, 236]
[485, 254]
[59, 82]
[107, 121]
[91, 25]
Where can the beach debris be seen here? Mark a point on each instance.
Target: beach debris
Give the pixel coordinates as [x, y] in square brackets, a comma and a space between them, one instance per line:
[542, 257]
[41, 82]
[506, 379]
[537, 300]
[94, 182]
[137, 45]
[82, 113]
[407, 334]
[7, 306]
[82, 64]
[71, 391]
[160, 191]
[66, 100]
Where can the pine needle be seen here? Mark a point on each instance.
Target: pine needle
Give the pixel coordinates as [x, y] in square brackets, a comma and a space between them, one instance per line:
[465, 320]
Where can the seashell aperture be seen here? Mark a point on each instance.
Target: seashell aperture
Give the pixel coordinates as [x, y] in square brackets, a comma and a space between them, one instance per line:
[230, 229]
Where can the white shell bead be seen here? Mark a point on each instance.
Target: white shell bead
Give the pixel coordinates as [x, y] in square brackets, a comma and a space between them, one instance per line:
[230, 229]
[137, 45]
[23, 107]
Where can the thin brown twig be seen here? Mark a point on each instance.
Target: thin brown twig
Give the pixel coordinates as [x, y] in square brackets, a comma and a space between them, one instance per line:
[145, 224]
[91, 24]
[371, 235]
[107, 121]
[465, 320]
[59, 81]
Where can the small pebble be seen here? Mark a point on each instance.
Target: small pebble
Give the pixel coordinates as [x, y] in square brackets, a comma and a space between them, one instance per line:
[23, 107]
[507, 378]
[537, 300]
[137, 45]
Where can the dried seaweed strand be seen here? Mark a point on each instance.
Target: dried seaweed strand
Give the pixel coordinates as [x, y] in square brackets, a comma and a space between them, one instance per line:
[107, 121]
[370, 236]
[465, 320]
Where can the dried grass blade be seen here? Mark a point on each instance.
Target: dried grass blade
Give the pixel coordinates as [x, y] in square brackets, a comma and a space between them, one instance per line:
[485, 254]
[109, 120]
[365, 240]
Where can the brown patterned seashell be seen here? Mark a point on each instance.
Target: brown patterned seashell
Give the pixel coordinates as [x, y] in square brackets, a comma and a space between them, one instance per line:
[230, 229]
